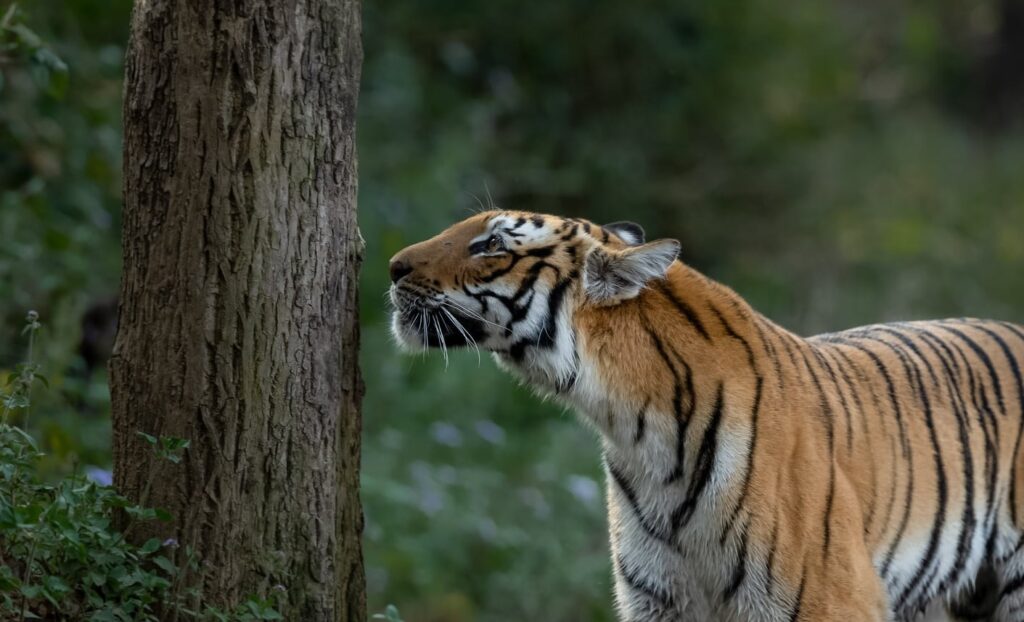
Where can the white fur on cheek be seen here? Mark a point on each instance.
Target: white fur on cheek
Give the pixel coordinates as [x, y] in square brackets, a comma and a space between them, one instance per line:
[405, 336]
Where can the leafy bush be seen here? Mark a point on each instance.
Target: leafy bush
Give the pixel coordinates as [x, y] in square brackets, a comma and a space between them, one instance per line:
[63, 558]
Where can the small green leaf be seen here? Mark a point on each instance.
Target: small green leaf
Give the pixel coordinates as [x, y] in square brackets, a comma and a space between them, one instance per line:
[151, 546]
[26, 36]
[56, 585]
[141, 512]
[31, 591]
[165, 564]
[173, 444]
[45, 56]
[149, 438]
[390, 614]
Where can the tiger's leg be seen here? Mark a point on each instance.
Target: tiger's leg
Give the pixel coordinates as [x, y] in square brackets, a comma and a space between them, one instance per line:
[843, 598]
[978, 601]
[1011, 588]
[839, 580]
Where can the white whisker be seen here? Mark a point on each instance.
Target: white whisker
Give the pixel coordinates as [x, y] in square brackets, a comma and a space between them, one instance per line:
[423, 327]
[490, 199]
[472, 314]
[462, 329]
[483, 208]
[440, 337]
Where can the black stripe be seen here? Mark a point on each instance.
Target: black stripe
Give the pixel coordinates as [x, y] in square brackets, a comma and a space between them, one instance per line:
[795, 615]
[986, 417]
[634, 581]
[978, 392]
[993, 376]
[831, 352]
[515, 258]
[1016, 445]
[991, 455]
[703, 465]
[938, 521]
[968, 520]
[571, 233]
[907, 453]
[546, 339]
[739, 573]
[745, 489]
[630, 494]
[541, 251]
[641, 422]
[865, 419]
[842, 397]
[526, 286]
[826, 410]
[770, 350]
[772, 548]
[1012, 586]
[1015, 368]
[682, 417]
[784, 338]
[684, 309]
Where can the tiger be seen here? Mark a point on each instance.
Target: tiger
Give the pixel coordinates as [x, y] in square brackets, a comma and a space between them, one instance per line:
[751, 474]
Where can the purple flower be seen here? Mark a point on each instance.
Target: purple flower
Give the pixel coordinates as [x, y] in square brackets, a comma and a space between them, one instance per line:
[490, 431]
[446, 434]
[103, 477]
[584, 489]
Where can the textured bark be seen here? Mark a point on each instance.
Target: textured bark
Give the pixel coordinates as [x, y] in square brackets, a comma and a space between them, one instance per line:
[238, 318]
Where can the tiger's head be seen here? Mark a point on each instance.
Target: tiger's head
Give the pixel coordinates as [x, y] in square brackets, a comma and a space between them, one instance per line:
[512, 282]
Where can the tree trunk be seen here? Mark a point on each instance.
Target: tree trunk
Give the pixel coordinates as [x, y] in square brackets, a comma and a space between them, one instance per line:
[238, 317]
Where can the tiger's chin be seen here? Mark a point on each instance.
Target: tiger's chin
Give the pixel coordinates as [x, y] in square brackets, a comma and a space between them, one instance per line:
[422, 330]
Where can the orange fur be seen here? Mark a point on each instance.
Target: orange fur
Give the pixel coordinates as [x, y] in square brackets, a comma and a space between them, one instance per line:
[855, 476]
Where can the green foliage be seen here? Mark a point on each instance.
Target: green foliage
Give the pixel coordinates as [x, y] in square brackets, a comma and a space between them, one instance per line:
[62, 557]
[19, 43]
[59, 167]
[390, 614]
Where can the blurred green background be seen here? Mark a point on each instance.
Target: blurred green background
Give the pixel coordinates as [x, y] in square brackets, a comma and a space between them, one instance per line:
[837, 162]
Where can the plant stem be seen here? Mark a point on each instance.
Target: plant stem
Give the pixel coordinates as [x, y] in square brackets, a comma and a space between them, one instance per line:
[24, 580]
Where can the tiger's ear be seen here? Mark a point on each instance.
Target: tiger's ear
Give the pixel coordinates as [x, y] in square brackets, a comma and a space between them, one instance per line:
[629, 232]
[611, 276]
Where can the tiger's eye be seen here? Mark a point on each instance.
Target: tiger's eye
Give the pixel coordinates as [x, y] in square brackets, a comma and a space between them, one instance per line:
[494, 244]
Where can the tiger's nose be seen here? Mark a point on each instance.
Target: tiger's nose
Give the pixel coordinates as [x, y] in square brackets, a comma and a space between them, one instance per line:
[398, 269]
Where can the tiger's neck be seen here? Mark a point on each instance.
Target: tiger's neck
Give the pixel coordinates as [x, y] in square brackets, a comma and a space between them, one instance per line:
[659, 376]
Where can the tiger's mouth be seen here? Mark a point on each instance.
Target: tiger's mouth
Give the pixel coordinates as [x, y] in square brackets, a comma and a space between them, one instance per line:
[420, 321]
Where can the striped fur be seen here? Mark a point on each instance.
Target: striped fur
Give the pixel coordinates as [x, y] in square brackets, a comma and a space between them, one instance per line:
[752, 474]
